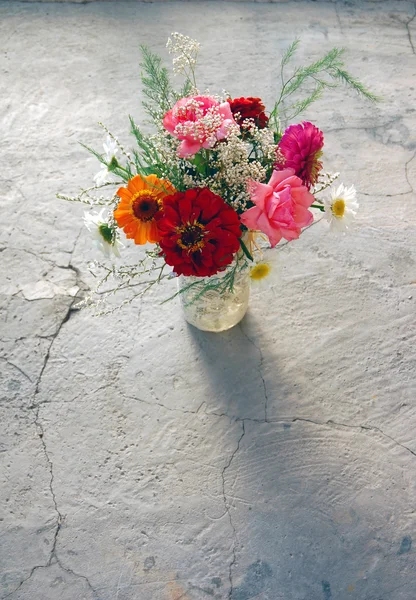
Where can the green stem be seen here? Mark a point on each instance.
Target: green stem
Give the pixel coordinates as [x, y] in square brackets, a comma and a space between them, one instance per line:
[321, 208]
[245, 250]
[207, 159]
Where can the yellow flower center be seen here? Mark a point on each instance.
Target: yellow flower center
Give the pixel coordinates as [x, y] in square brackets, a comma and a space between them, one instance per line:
[106, 233]
[338, 208]
[260, 271]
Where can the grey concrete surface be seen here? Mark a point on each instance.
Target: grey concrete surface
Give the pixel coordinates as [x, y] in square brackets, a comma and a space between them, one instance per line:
[144, 460]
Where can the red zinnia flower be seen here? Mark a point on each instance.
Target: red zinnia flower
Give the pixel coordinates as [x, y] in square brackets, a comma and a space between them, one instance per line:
[249, 108]
[301, 147]
[199, 232]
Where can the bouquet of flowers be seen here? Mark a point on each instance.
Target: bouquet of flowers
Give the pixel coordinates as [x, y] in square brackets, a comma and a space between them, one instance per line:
[216, 179]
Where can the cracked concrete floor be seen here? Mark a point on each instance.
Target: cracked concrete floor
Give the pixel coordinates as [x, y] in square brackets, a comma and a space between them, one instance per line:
[144, 460]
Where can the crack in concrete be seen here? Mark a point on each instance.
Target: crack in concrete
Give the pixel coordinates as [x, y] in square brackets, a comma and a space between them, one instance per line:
[26, 579]
[35, 254]
[409, 35]
[78, 280]
[406, 173]
[227, 510]
[260, 370]
[58, 562]
[60, 517]
[53, 556]
[377, 195]
[78, 576]
[338, 18]
[331, 423]
[155, 403]
[373, 128]
[28, 337]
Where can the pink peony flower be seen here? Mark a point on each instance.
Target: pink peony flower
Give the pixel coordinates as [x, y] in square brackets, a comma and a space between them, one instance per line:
[301, 147]
[199, 121]
[281, 207]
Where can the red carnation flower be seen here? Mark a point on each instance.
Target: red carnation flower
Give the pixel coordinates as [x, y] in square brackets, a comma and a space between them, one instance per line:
[199, 232]
[249, 108]
[301, 147]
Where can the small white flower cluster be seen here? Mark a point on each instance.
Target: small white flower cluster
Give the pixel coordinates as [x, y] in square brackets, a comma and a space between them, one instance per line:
[247, 124]
[235, 170]
[234, 149]
[265, 140]
[224, 96]
[166, 148]
[185, 51]
[325, 181]
[195, 180]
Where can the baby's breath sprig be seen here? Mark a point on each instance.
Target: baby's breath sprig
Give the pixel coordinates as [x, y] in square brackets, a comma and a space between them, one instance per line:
[117, 141]
[86, 198]
[149, 271]
[325, 181]
[185, 54]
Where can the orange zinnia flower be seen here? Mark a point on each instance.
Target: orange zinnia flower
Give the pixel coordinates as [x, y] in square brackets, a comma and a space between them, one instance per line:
[139, 202]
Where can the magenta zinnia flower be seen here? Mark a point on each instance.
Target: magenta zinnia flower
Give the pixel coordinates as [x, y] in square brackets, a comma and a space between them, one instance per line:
[301, 147]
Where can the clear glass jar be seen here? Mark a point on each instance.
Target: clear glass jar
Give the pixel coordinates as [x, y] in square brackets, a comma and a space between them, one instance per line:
[205, 303]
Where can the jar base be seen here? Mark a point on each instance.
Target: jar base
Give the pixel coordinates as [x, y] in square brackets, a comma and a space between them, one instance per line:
[219, 324]
[214, 303]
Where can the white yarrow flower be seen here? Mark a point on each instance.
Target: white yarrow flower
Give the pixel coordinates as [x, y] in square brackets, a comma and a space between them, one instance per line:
[341, 207]
[102, 234]
[110, 153]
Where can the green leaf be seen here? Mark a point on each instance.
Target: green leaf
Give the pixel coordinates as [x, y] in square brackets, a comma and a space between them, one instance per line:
[245, 250]
[155, 80]
[290, 52]
[325, 73]
[199, 163]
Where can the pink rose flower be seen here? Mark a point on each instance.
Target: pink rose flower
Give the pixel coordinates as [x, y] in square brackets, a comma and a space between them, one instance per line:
[281, 207]
[301, 148]
[199, 121]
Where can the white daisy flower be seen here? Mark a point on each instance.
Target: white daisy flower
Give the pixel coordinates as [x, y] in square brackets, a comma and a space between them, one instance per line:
[102, 233]
[103, 176]
[341, 207]
[110, 153]
[110, 148]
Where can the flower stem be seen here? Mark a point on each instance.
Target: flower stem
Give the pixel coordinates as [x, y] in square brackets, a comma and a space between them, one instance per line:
[245, 250]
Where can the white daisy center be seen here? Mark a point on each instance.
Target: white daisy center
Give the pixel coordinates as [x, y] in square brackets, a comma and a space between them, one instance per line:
[338, 208]
[106, 233]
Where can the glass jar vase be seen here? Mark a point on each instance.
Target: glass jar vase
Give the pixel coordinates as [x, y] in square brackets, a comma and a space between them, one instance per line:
[219, 302]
